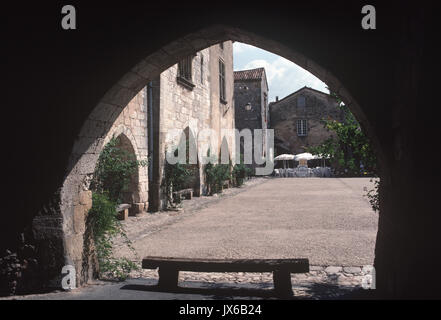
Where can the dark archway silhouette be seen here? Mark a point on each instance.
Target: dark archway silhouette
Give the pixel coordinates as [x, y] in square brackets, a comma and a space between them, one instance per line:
[378, 74]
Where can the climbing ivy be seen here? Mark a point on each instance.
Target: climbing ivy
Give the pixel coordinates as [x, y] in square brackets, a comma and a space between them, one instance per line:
[105, 227]
[373, 195]
[114, 170]
[111, 179]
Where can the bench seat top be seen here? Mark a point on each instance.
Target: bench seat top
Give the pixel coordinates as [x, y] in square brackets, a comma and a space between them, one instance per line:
[184, 191]
[227, 265]
[122, 207]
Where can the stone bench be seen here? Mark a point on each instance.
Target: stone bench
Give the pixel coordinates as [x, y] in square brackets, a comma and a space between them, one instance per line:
[123, 211]
[185, 193]
[281, 268]
[226, 184]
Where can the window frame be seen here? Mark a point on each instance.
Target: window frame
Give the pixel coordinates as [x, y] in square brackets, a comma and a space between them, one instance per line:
[302, 127]
[185, 73]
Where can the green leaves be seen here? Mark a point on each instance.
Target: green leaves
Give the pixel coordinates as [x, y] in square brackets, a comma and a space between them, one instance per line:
[373, 195]
[215, 175]
[175, 177]
[241, 172]
[102, 219]
[115, 170]
[349, 148]
[112, 177]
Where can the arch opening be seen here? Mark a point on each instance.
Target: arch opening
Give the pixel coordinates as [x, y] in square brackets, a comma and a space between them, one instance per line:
[90, 142]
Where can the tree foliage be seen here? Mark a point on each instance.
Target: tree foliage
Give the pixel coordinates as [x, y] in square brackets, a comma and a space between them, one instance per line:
[349, 148]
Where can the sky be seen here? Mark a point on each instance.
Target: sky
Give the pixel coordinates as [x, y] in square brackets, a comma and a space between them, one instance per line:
[284, 77]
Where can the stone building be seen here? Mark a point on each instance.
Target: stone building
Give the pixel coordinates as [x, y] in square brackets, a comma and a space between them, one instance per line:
[297, 120]
[251, 101]
[191, 96]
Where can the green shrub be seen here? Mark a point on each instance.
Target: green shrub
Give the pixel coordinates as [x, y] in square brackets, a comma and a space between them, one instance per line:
[175, 176]
[114, 170]
[102, 219]
[111, 179]
[215, 175]
[240, 173]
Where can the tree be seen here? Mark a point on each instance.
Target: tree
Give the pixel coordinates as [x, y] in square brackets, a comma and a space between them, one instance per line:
[349, 149]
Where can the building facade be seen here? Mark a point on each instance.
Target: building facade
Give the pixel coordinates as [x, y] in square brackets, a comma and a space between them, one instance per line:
[297, 120]
[194, 95]
[251, 102]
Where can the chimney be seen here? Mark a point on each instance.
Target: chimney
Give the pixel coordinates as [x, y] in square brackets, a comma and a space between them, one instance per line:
[277, 98]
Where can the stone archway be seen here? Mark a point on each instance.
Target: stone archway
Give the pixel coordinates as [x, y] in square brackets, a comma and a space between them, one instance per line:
[389, 71]
[137, 195]
[132, 194]
[100, 122]
[194, 180]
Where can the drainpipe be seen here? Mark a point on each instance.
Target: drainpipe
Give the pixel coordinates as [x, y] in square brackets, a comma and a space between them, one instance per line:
[149, 95]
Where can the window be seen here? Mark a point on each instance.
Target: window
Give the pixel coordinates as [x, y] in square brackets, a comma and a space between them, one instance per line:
[301, 101]
[302, 128]
[222, 88]
[221, 45]
[185, 72]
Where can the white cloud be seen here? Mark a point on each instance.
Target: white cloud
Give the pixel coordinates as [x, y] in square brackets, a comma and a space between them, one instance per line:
[240, 47]
[285, 77]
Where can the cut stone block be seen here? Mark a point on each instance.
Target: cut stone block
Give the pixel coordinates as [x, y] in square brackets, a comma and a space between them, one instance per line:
[123, 215]
[136, 208]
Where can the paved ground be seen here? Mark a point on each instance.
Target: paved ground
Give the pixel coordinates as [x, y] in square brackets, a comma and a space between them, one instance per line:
[326, 220]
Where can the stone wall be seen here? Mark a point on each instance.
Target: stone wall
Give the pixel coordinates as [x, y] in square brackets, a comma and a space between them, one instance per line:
[195, 109]
[286, 112]
[181, 108]
[222, 113]
[132, 125]
[254, 92]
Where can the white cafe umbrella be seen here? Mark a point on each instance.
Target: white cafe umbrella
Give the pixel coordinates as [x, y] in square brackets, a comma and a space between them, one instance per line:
[304, 156]
[307, 156]
[285, 157]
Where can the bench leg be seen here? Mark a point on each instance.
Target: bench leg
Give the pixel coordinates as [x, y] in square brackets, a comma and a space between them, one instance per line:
[168, 278]
[282, 283]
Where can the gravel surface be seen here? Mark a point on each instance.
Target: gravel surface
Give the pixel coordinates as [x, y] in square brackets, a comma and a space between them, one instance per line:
[324, 219]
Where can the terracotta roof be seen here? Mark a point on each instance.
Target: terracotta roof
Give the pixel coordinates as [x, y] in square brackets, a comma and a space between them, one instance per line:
[253, 74]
